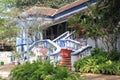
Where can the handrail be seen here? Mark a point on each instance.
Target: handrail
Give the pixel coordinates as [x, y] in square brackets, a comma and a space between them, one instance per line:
[76, 46]
[82, 52]
[70, 36]
[61, 36]
[70, 44]
[82, 49]
[47, 44]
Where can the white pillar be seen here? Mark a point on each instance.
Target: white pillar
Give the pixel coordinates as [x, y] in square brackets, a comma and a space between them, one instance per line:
[73, 60]
[41, 35]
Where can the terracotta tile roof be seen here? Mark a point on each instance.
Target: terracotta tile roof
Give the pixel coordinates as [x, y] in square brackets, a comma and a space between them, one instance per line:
[41, 10]
[71, 5]
[50, 11]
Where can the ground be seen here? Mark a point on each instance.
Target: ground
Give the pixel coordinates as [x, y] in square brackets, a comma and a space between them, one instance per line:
[88, 76]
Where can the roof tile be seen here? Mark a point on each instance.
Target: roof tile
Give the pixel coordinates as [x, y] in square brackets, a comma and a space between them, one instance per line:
[71, 5]
[51, 11]
[41, 10]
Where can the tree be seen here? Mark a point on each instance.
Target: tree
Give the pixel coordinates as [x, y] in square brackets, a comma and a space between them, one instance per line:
[88, 24]
[7, 30]
[100, 21]
[45, 3]
[110, 10]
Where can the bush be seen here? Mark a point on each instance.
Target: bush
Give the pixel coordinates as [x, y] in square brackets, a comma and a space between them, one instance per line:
[2, 79]
[98, 63]
[114, 55]
[41, 71]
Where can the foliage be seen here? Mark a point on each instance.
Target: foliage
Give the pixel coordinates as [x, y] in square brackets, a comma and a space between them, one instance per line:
[100, 21]
[98, 52]
[99, 62]
[2, 79]
[110, 10]
[8, 31]
[114, 55]
[46, 3]
[90, 23]
[41, 71]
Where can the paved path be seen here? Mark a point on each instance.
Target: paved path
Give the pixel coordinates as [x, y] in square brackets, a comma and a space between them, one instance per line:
[90, 76]
[6, 67]
[5, 70]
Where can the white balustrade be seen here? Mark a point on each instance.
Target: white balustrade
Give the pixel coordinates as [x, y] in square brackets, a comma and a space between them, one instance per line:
[82, 52]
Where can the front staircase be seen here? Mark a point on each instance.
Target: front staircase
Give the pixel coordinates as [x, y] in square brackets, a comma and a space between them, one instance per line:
[64, 46]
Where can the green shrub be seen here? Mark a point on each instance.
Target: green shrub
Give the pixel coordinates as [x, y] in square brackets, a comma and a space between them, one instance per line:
[110, 67]
[98, 51]
[98, 63]
[2, 79]
[114, 55]
[41, 71]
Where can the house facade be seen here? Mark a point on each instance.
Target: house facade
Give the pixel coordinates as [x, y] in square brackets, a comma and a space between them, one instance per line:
[51, 22]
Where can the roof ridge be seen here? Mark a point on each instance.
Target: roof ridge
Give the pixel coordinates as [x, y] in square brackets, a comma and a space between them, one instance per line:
[78, 2]
[52, 11]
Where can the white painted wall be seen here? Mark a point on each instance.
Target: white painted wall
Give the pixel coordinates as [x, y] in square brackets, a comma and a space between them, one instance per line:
[100, 43]
[5, 57]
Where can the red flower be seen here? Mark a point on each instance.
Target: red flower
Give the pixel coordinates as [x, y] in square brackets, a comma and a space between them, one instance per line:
[77, 25]
[83, 30]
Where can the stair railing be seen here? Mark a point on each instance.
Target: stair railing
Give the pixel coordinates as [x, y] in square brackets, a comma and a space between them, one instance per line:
[84, 51]
[54, 49]
[56, 40]
[81, 49]
[70, 44]
[70, 36]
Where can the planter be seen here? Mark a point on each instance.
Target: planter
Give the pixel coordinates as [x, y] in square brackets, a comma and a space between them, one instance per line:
[65, 63]
[66, 58]
[65, 53]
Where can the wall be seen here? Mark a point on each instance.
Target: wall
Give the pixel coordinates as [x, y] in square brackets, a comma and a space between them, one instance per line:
[5, 57]
[100, 44]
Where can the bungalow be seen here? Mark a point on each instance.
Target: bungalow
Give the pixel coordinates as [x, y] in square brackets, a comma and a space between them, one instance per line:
[49, 27]
[51, 22]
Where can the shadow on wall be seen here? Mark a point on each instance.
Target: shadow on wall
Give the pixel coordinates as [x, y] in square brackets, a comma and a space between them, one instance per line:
[5, 47]
[100, 44]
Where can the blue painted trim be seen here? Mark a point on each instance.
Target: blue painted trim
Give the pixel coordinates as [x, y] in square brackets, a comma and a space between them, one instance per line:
[56, 54]
[93, 1]
[73, 9]
[62, 44]
[69, 10]
[74, 54]
[46, 45]
[20, 45]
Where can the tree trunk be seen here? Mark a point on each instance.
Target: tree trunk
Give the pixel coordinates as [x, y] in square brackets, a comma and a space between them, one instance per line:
[96, 42]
